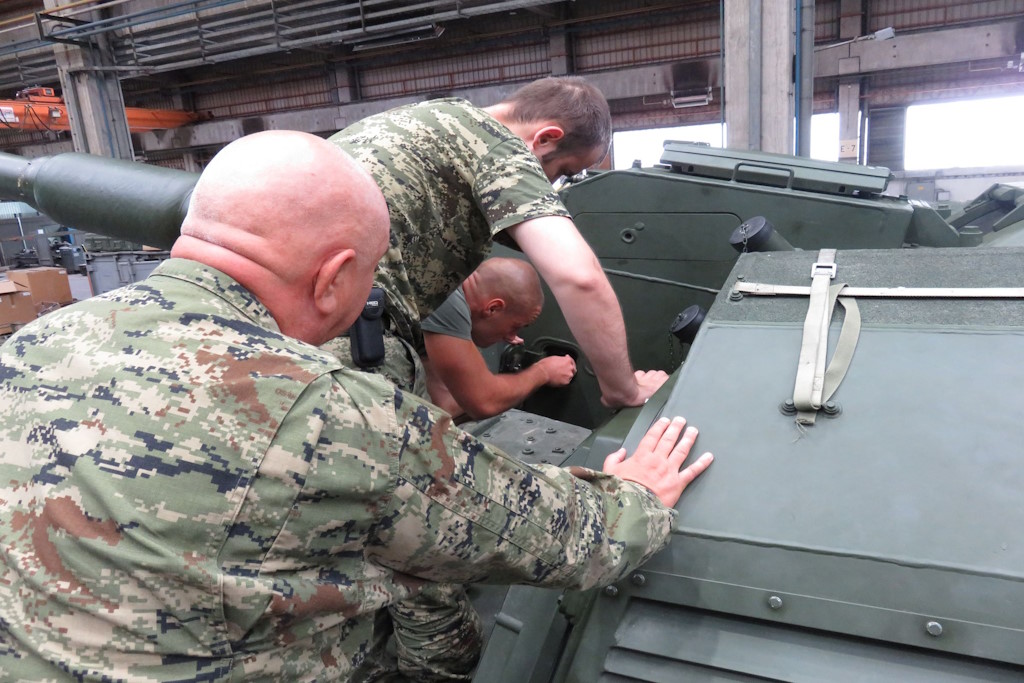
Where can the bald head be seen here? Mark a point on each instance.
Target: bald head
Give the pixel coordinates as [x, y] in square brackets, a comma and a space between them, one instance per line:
[503, 296]
[291, 217]
[512, 280]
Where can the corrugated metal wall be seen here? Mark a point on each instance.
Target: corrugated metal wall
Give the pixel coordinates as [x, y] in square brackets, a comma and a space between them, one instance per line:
[9, 210]
[826, 21]
[885, 138]
[649, 40]
[601, 36]
[916, 14]
[297, 91]
[597, 35]
[521, 62]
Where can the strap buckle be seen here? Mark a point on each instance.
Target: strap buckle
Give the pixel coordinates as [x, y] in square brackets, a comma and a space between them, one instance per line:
[821, 268]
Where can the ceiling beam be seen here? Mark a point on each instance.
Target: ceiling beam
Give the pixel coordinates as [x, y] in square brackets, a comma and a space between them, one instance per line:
[927, 48]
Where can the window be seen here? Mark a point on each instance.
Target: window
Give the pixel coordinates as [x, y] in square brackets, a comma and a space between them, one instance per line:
[964, 134]
[646, 145]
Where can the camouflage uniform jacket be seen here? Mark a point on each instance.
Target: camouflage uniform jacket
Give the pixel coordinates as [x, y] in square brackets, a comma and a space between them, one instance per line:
[454, 177]
[188, 494]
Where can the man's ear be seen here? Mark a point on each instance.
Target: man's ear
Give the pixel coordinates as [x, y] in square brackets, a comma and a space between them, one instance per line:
[493, 307]
[545, 140]
[331, 283]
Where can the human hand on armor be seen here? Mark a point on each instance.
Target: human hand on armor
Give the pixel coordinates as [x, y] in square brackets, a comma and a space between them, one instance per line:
[657, 460]
[647, 382]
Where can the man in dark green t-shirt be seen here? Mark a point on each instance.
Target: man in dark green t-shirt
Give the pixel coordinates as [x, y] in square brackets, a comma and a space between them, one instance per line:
[495, 302]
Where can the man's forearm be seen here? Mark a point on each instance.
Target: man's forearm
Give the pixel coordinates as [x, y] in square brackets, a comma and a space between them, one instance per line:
[546, 526]
[456, 367]
[570, 268]
[595, 319]
[495, 394]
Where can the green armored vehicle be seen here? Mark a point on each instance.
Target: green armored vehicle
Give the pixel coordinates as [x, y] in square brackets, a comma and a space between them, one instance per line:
[861, 519]
[668, 237]
[878, 543]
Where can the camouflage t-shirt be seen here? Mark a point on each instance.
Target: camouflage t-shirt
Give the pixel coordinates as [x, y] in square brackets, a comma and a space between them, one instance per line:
[188, 494]
[454, 177]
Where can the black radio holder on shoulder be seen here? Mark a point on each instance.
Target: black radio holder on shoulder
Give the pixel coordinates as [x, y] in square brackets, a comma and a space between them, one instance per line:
[366, 336]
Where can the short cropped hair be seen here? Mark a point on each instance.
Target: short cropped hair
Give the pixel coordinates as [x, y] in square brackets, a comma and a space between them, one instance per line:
[577, 106]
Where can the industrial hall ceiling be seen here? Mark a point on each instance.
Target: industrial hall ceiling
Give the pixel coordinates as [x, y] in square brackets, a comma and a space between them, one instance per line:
[237, 66]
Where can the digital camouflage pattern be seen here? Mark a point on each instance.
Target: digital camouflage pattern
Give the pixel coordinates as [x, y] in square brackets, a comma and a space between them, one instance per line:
[402, 366]
[187, 494]
[454, 177]
[438, 637]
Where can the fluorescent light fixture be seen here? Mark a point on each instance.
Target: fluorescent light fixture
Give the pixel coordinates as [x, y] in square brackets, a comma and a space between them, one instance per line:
[696, 100]
[887, 33]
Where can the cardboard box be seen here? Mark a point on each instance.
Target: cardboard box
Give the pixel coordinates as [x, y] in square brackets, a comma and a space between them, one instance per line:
[46, 285]
[16, 305]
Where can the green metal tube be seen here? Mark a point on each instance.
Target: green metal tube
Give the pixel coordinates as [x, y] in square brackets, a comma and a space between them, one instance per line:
[122, 199]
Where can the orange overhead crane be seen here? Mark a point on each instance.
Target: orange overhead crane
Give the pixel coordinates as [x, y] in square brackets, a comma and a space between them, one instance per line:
[41, 109]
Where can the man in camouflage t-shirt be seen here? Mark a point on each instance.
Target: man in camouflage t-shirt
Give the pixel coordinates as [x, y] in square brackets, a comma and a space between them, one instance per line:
[191, 490]
[456, 177]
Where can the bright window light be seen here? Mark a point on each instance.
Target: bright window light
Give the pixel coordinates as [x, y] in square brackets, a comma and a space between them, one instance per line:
[964, 134]
[646, 145]
[825, 137]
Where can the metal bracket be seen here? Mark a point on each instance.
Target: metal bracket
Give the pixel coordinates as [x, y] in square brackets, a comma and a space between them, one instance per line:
[68, 20]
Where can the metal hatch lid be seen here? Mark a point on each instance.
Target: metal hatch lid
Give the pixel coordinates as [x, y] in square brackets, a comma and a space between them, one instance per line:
[898, 519]
[777, 170]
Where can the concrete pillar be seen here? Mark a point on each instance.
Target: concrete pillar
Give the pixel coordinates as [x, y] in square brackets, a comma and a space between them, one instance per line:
[851, 25]
[92, 93]
[191, 164]
[759, 49]
[561, 53]
[346, 84]
[849, 121]
[804, 74]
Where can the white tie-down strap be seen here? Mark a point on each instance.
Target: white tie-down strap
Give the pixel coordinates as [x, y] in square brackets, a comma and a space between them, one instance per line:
[761, 289]
[808, 400]
[816, 382]
[810, 369]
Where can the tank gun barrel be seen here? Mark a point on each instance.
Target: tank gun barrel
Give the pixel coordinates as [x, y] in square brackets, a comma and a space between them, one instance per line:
[121, 199]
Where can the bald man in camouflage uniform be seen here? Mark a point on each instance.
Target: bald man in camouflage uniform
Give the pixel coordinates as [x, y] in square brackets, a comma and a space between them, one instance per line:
[191, 490]
[456, 177]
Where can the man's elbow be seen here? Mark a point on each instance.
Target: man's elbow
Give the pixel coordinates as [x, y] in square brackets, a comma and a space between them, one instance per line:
[482, 403]
[479, 408]
[584, 281]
